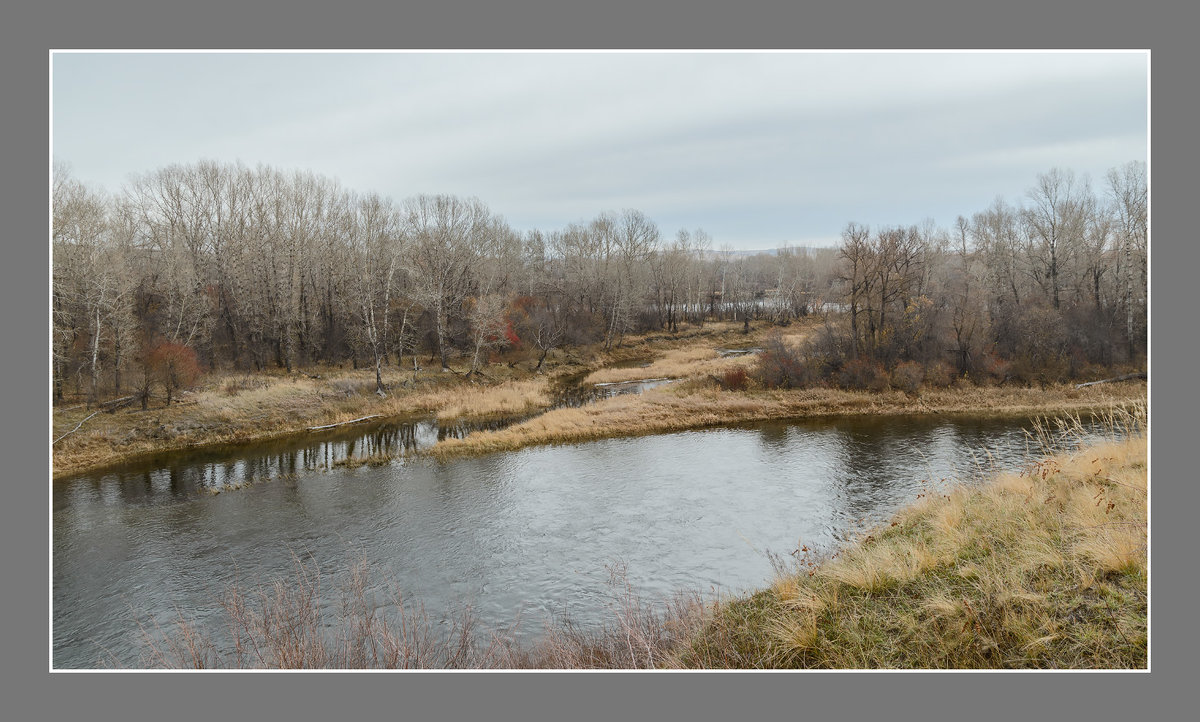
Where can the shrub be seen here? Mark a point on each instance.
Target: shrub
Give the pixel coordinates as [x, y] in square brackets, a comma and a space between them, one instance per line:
[235, 386]
[735, 379]
[780, 366]
[995, 368]
[940, 375]
[908, 377]
[171, 364]
[863, 374]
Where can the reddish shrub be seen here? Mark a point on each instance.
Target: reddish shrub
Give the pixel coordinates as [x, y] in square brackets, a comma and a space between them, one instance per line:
[995, 368]
[863, 374]
[173, 365]
[735, 379]
[780, 366]
[510, 334]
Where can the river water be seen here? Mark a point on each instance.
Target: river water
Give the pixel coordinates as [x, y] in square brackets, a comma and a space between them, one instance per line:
[528, 534]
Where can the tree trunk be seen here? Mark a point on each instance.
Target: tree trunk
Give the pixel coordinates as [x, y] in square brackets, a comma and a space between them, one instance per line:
[93, 393]
[1129, 298]
[440, 322]
[117, 363]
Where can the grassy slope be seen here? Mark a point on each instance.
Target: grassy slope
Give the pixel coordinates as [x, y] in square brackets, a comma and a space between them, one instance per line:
[1042, 569]
[694, 405]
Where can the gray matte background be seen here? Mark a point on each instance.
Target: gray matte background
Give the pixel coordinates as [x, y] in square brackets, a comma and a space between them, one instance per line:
[29, 31]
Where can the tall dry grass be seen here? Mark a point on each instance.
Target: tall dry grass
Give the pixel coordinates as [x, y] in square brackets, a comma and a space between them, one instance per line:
[1044, 568]
[286, 624]
[691, 405]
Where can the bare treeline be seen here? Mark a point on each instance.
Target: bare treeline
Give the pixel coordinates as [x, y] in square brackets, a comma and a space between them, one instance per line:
[251, 268]
[1039, 291]
[255, 267]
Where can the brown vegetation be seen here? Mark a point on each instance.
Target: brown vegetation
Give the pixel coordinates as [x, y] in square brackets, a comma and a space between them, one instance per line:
[236, 408]
[698, 404]
[242, 407]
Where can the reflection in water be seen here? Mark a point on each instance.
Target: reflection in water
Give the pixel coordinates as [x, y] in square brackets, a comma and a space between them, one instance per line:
[574, 393]
[523, 534]
[212, 469]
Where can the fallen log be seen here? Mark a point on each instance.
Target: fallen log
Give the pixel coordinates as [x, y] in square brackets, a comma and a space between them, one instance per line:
[1126, 377]
[343, 423]
[115, 404]
[52, 443]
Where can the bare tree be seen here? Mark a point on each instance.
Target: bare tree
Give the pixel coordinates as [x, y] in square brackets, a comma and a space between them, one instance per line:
[449, 236]
[1056, 221]
[80, 237]
[375, 233]
[965, 318]
[855, 253]
[1128, 195]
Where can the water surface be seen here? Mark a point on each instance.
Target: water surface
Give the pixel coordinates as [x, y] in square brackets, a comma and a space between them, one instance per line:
[526, 534]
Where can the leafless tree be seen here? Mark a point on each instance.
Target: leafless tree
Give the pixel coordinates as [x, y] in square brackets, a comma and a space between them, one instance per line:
[1128, 195]
[1056, 221]
[375, 233]
[449, 239]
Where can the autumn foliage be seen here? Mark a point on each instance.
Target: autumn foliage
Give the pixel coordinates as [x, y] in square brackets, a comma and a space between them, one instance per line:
[172, 365]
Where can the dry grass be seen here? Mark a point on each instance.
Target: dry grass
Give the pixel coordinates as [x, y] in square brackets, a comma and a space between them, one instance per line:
[511, 397]
[239, 408]
[694, 405]
[1046, 568]
[636, 635]
[693, 353]
[285, 625]
[292, 624]
[675, 364]
[236, 407]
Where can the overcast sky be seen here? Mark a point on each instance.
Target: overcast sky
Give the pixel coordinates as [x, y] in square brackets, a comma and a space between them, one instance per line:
[757, 149]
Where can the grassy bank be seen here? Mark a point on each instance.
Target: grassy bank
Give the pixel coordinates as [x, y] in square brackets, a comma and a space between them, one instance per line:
[697, 404]
[242, 408]
[232, 408]
[1043, 569]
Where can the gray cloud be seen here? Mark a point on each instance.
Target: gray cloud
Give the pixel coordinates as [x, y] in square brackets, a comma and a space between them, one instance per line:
[756, 148]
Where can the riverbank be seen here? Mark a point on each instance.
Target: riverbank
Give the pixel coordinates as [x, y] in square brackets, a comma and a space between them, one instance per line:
[696, 404]
[267, 407]
[1042, 569]
[232, 408]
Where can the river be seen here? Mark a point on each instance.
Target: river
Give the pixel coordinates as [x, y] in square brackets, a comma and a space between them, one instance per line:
[528, 534]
